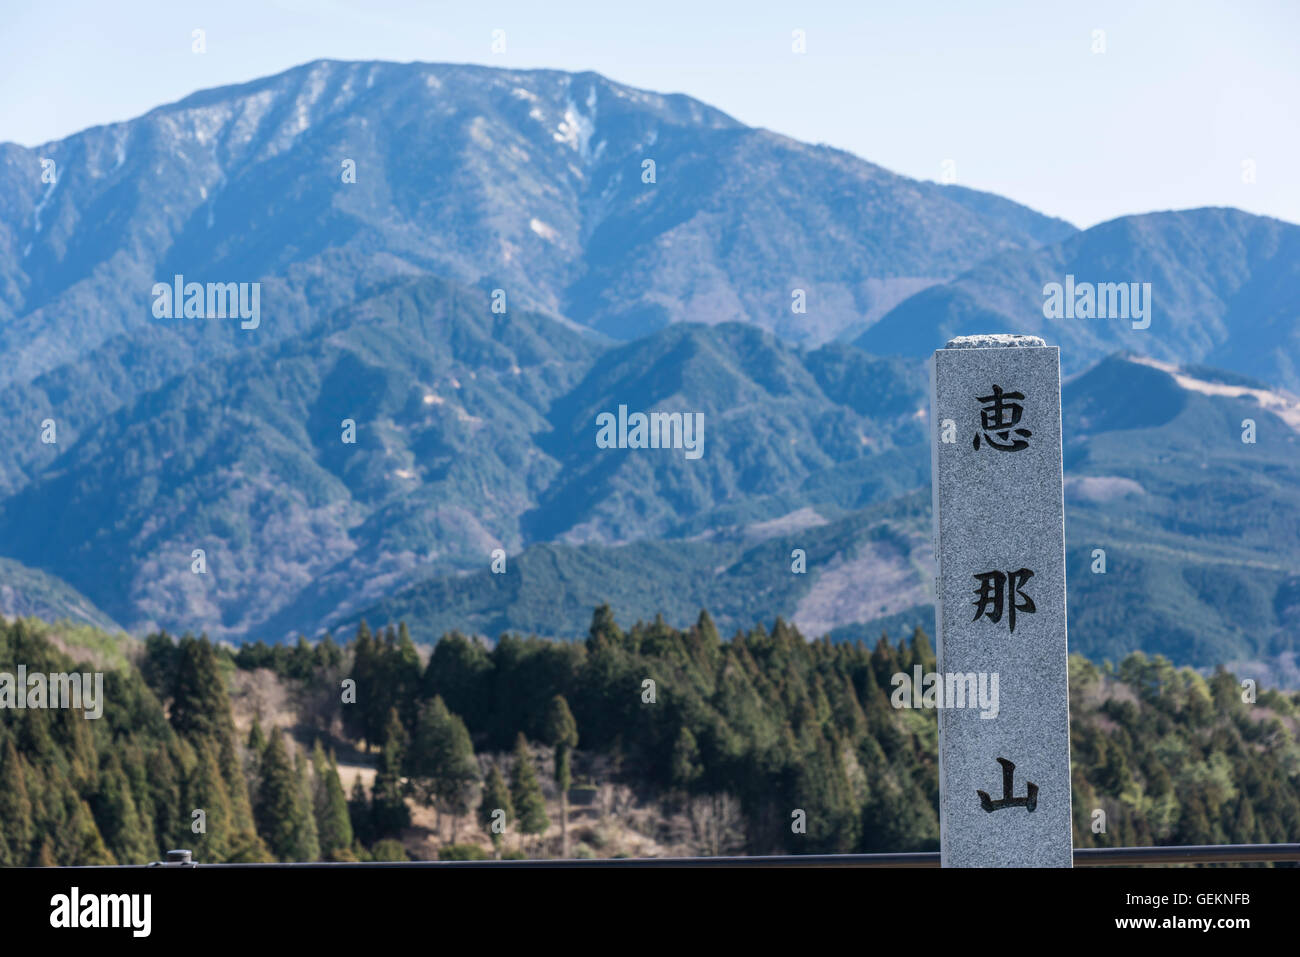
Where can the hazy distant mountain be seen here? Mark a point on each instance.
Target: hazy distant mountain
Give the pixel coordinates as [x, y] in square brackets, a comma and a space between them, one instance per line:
[1201, 534]
[529, 181]
[28, 593]
[1201, 530]
[473, 432]
[778, 423]
[245, 458]
[1224, 286]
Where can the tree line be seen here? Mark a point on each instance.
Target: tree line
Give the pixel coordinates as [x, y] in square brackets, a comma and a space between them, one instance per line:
[800, 735]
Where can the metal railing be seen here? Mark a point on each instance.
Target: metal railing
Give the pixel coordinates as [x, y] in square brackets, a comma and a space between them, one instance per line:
[1083, 857]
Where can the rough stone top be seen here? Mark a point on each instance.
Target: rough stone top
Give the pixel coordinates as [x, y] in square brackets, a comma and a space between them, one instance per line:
[1000, 340]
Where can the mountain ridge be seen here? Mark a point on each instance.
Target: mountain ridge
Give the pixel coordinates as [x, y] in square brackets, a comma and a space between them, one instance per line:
[245, 182]
[505, 267]
[1222, 286]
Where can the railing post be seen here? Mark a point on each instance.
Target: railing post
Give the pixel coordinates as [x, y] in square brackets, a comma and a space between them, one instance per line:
[176, 858]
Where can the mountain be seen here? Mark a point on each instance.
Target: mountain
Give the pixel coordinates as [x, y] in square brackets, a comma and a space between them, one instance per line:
[1224, 291]
[527, 181]
[780, 425]
[860, 566]
[1201, 534]
[29, 593]
[503, 274]
[1201, 530]
[473, 432]
[443, 399]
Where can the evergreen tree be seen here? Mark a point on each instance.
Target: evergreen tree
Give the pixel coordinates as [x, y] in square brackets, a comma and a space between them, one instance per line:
[496, 797]
[86, 843]
[118, 820]
[404, 675]
[441, 763]
[526, 793]
[328, 655]
[158, 663]
[333, 824]
[256, 739]
[249, 848]
[206, 792]
[302, 659]
[686, 768]
[561, 732]
[388, 811]
[767, 717]
[281, 809]
[15, 806]
[823, 791]
[200, 706]
[1244, 824]
[389, 850]
[366, 718]
[604, 629]
[359, 813]
[46, 857]
[165, 795]
[201, 710]
[253, 751]
[459, 671]
[308, 837]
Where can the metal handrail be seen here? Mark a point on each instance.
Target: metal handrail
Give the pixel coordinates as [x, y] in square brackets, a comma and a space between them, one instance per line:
[1083, 857]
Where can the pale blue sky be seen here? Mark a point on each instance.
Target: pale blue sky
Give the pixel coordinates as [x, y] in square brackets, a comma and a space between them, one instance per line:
[1010, 91]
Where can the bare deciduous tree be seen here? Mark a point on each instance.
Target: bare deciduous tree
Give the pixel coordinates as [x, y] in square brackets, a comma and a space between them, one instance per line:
[717, 823]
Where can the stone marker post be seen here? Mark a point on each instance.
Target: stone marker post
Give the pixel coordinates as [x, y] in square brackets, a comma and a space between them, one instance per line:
[999, 520]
